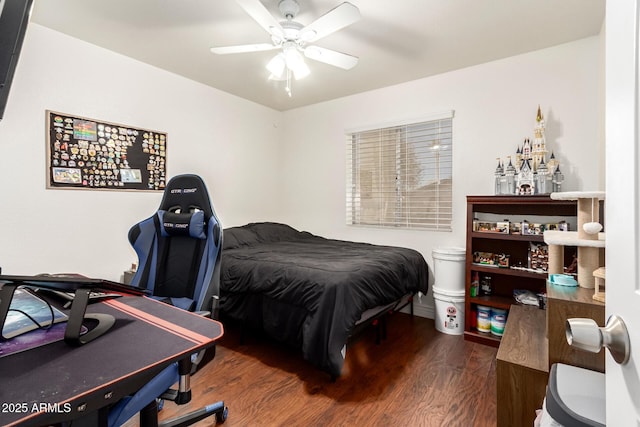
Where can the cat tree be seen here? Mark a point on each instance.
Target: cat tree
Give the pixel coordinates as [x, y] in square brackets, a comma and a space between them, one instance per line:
[588, 238]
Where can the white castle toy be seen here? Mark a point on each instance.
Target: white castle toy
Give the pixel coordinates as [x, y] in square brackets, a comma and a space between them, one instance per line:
[532, 173]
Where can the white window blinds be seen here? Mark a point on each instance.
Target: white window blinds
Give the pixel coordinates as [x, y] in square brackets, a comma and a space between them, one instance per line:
[400, 176]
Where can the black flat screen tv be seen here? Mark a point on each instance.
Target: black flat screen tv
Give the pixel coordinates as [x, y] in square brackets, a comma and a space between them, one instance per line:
[14, 17]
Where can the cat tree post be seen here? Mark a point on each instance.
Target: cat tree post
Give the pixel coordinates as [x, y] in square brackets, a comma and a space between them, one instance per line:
[588, 257]
[556, 259]
[587, 238]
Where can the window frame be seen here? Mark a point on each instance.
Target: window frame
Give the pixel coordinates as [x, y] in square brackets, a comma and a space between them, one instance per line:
[406, 151]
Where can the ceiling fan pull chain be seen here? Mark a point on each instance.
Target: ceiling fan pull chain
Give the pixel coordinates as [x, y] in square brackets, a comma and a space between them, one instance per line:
[288, 87]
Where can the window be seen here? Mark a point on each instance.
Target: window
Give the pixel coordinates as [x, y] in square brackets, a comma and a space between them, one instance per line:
[400, 176]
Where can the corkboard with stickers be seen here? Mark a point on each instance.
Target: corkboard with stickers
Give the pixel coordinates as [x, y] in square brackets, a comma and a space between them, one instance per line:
[98, 155]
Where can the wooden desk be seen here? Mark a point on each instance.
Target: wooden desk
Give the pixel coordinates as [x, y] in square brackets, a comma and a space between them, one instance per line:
[522, 368]
[57, 382]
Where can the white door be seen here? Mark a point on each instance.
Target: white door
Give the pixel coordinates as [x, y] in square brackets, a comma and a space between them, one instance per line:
[622, 214]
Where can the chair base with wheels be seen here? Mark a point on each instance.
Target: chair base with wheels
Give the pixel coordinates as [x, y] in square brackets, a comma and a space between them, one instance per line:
[178, 372]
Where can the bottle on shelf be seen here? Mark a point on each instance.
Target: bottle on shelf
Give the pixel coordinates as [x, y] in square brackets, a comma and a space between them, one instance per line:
[485, 285]
[475, 285]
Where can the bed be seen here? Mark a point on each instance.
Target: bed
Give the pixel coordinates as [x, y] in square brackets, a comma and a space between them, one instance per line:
[310, 292]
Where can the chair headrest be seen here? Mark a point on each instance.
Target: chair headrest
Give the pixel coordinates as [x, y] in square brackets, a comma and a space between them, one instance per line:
[182, 224]
[185, 194]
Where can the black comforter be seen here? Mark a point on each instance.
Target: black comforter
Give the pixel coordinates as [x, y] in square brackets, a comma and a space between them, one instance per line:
[310, 291]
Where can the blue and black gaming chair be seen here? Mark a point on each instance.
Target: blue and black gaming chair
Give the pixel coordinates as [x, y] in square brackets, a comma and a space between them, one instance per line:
[179, 247]
[178, 250]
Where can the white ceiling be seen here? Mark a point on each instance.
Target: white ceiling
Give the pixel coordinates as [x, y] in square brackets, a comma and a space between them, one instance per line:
[396, 41]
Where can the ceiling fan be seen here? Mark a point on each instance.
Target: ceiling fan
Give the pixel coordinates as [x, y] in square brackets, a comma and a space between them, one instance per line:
[293, 39]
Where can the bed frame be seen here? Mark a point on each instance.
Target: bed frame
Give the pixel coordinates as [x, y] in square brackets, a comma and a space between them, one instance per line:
[377, 317]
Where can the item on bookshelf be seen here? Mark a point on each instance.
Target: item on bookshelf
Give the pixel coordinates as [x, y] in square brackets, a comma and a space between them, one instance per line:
[526, 297]
[474, 318]
[515, 227]
[474, 291]
[491, 260]
[560, 226]
[485, 258]
[498, 321]
[532, 172]
[535, 229]
[485, 226]
[542, 300]
[503, 227]
[531, 229]
[503, 260]
[485, 285]
[484, 319]
[538, 256]
[491, 227]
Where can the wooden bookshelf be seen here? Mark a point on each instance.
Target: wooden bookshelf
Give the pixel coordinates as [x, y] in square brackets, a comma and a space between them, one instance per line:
[505, 280]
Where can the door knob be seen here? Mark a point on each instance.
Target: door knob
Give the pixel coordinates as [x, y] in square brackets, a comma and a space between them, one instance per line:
[585, 334]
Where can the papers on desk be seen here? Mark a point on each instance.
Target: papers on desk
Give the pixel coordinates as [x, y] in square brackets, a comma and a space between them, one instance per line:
[25, 303]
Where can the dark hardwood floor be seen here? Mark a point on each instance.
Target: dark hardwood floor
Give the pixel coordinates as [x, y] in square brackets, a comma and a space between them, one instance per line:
[416, 377]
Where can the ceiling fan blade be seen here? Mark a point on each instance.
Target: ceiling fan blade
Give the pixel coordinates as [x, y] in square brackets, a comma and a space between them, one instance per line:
[337, 18]
[331, 57]
[261, 15]
[244, 48]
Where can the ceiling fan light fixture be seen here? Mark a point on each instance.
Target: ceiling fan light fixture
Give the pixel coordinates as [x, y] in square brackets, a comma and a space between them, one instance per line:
[295, 62]
[276, 66]
[301, 71]
[291, 54]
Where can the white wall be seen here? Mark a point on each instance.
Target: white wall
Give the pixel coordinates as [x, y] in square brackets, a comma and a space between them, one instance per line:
[495, 108]
[232, 143]
[260, 164]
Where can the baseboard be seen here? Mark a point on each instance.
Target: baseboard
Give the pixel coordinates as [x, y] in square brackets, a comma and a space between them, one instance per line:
[421, 310]
[424, 311]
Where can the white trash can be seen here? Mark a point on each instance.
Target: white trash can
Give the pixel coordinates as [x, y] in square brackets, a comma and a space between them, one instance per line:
[448, 289]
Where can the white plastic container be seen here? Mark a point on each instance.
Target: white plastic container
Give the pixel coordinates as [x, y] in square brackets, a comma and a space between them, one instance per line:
[448, 269]
[498, 320]
[484, 318]
[449, 307]
[448, 289]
